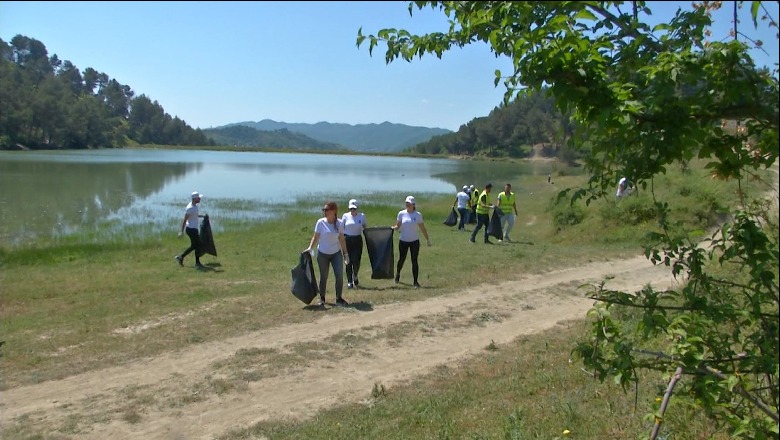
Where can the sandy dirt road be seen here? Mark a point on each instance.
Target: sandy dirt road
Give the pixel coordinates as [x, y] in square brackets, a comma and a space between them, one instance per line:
[298, 369]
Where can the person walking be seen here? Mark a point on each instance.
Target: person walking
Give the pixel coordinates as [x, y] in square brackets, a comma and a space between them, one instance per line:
[463, 205]
[409, 221]
[506, 203]
[190, 224]
[474, 194]
[354, 223]
[483, 213]
[331, 250]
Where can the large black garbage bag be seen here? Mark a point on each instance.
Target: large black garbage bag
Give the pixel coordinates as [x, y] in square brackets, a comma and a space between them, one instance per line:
[304, 283]
[452, 219]
[206, 239]
[494, 227]
[379, 243]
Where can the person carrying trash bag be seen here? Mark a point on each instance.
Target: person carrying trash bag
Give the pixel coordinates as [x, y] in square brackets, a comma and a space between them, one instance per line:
[462, 203]
[483, 213]
[190, 224]
[354, 224]
[331, 251]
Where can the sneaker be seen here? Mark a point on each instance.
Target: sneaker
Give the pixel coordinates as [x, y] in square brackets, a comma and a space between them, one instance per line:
[356, 282]
[179, 259]
[321, 303]
[341, 302]
[416, 285]
[488, 242]
[397, 278]
[472, 240]
[350, 285]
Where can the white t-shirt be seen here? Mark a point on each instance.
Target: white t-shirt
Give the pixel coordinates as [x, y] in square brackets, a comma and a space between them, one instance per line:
[353, 224]
[409, 221]
[329, 235]
[463, 200]
[192, 220]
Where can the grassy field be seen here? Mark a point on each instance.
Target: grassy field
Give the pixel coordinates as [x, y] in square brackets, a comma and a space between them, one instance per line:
[63, 306]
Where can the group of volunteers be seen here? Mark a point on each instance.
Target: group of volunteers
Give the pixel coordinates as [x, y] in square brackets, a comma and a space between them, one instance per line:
[473, 204]
[338, 239]
[339, 243]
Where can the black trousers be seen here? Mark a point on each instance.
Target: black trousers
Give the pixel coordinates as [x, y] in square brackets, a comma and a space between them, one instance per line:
[194, 244]
[482, 220]
[354, 252]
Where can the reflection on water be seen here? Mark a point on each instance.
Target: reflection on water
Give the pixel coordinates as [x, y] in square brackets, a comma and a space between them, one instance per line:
[45, 195]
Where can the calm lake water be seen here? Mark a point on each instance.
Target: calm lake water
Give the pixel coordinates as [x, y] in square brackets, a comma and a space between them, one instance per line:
[48, 195]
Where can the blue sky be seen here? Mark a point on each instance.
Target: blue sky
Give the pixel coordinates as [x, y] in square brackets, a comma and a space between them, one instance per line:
[215, 63]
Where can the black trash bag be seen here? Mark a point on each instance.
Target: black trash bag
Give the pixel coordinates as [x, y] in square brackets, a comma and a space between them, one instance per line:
[304, 284]
[206, 239]
[494, 228]
[452, 219]
[379, 243]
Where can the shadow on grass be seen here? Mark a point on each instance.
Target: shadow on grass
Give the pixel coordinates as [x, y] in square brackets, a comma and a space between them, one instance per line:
[360, 306]
[210, 267]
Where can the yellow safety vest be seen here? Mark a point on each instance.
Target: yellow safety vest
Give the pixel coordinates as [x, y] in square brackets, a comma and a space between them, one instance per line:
[483, 209]
[506, 202]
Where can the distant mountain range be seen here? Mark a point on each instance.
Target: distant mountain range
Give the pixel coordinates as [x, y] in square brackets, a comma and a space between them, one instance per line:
[374, 138]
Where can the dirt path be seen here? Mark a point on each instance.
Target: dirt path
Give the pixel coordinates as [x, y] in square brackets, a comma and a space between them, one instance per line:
[299, 369]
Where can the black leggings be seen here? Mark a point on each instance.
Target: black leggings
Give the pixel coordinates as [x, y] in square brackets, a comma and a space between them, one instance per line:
[403, 247]
[355, 252]
[194, 244]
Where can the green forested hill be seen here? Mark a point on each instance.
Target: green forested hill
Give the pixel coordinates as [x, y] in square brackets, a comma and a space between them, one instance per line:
[386, 137]
[46, 102]
[242, 136]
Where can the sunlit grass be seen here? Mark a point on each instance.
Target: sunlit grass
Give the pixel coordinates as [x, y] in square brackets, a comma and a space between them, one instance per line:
[101, 299]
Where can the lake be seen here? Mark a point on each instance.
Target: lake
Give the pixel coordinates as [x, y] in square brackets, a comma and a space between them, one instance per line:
[47, 195]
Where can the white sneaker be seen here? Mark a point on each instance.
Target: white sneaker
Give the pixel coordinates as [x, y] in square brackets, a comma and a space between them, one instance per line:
[350, 285]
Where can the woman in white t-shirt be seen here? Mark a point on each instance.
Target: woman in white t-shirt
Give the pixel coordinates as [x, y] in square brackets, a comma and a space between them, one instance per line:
[354, 223]
[409, 221]
[331, 251]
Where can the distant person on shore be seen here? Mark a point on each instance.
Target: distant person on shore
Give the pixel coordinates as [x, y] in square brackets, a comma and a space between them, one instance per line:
[463, 204]
[408, 222]
[506, 202]
[190, 224]
[483, 213]
[331, 251]
[354, 223]
[623, 189]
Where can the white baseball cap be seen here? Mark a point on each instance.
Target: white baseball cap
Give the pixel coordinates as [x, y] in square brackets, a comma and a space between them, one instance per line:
[465, 187]
[353, 203]
[409, 199]
[196, 195]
